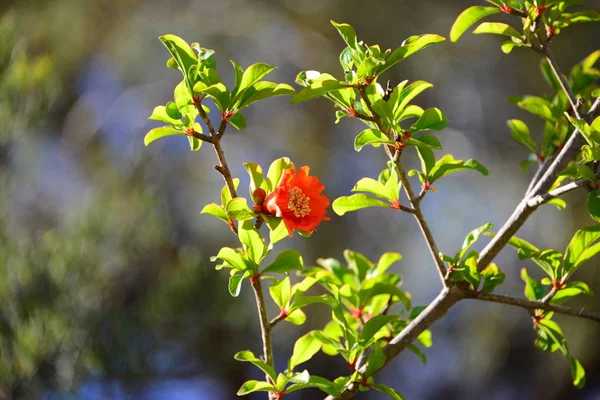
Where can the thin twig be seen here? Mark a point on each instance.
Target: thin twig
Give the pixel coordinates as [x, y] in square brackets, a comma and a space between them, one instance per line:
[277, 320]
[538, 305]
[414, 201]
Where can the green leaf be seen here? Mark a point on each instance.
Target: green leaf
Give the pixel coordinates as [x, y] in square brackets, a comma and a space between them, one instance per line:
[410, 46]
[248, 356]
[238, 121]
[558, 203]
[277, 228]
[347, 33]
[263, 90]
[257, 179]
[161, 113]
[388, 391]
[375, 187]
[238, 209]
[217, 211]
[232, 258]
[432, 119]
[218, 92]
[471, 238]
[577, 372]
[469, 17]
[385, 261]
[401, 97]
[315, 382]
[537, 106]
[374, 325]
[325, 84]
[596, 124]
[253, 74]
[570, 290]
[195, 143]
[255, 386]
[533, 289]
[374, 137]
[492, 277]
[521, 134]
[425, 140]
[448, 165]
[375, 362]
[296, 317]
[181, 51]
[281, 292]
[276, 170]
[225, 194]
[286, 261]
[304, 349]
[235, 282]
[252, 241]
[157, 133]
[497, 28]
[418, 353]
[427, 159]
[508, 46]
[583, 246]
[345, 204]
[593, 204]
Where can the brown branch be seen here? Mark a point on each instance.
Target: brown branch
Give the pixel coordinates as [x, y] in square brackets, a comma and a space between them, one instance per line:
[538, 305]
[265, 327]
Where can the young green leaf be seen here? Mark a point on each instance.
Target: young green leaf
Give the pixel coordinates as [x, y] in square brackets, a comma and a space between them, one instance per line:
[158, 133]
[432, 119]
[593, 204]
[372, 186]
[374, 325]
[323, 85]
[181, 51]
[281, 292]
[410, 46]
[286, 261]
[255, 386]
[252, 241]
[583, 246]
[521, 134]
[248, 356]
[492, 277]
[345, 204]
[347, 33]
[304, 349]
[388, 391]
[469, 17]
[252, 75]
[217, 211]
[448, 165]
[232, 257]
[374, 137]
[235, 282]
[497, 28]
[238, 209]
[276, 170]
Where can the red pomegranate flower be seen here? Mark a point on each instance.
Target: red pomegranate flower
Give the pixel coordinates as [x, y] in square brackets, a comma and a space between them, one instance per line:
[298, 201]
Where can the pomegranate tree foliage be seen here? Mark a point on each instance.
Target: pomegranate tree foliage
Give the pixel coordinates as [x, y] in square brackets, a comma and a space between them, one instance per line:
[361, 292]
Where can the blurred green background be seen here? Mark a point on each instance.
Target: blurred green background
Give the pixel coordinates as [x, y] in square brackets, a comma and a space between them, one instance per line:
[106, 290]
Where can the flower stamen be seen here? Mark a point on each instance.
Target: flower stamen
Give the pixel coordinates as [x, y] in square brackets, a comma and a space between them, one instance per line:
[298, 202]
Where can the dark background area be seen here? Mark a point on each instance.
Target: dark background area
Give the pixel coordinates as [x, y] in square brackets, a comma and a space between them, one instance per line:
[106, 288]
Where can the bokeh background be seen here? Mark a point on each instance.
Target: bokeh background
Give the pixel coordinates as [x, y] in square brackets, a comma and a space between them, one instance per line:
[106, 289]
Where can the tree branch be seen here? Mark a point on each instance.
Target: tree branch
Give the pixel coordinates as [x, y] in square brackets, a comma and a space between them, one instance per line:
[544, 198]
[414, 200]
[434, 311]
[265, 326]
[538, 305]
